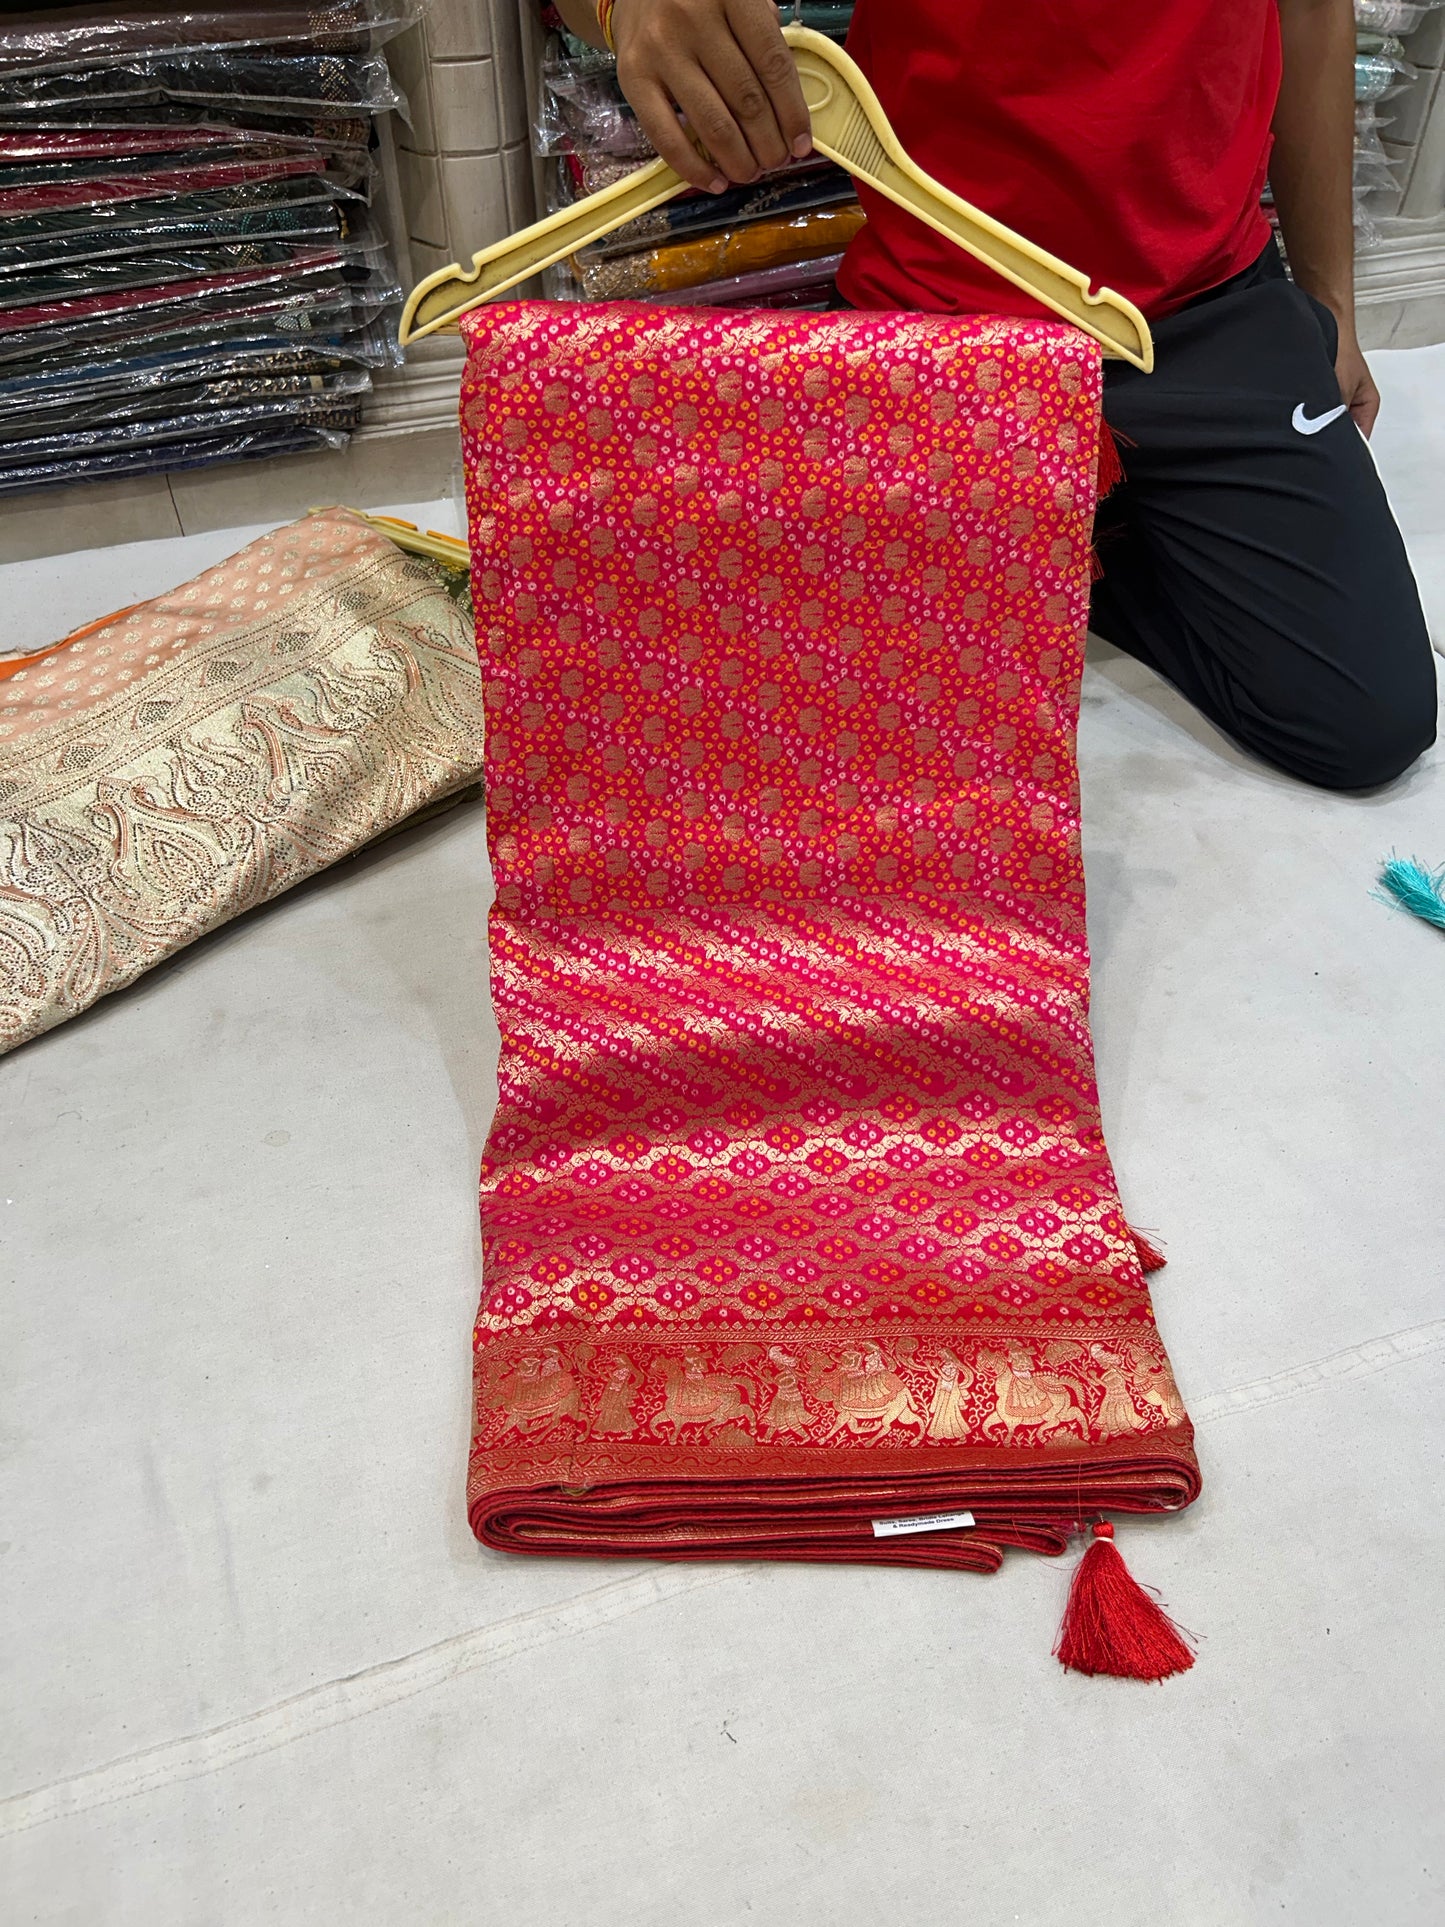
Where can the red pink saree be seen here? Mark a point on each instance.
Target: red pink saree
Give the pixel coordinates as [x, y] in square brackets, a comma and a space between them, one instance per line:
[797, 1218]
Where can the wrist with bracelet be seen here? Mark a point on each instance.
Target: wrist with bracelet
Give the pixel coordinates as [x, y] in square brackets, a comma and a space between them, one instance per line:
[605, 9]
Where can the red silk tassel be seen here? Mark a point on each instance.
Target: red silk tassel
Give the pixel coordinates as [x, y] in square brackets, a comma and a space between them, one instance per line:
[1108, 476]
[1111, 468]
[1151, 1258]
[1111, 1625]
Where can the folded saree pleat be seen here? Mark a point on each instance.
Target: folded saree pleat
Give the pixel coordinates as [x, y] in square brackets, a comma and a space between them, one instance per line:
[796, 1210]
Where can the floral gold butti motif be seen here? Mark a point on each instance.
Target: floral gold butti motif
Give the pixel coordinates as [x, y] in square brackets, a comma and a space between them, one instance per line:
[796, 1212]
[182, 761]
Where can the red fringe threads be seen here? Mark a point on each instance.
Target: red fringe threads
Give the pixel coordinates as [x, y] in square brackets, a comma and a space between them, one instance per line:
[1151, 1258]
[1109, 475]
[1111, 467]
[1112, 1625]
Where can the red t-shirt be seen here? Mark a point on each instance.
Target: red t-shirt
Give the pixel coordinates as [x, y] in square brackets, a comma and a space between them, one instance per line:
[1128, 137]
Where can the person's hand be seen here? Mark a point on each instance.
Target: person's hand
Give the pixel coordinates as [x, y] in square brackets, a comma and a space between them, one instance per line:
[1357, 384]
[726, 65]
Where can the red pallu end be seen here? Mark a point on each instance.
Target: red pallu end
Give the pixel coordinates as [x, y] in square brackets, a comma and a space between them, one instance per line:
[796, 1210]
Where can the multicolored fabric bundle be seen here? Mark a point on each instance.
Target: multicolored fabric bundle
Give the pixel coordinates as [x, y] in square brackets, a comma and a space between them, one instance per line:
[176, 189]
[720, 255]
[797, 1217]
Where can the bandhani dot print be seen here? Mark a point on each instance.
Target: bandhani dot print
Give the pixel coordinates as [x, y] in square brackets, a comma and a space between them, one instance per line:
[796, 1206]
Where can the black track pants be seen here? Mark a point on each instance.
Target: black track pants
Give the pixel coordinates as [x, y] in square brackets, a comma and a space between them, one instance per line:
[1250, 555]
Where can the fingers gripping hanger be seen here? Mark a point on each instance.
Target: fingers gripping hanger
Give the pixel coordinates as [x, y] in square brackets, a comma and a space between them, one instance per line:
[850, 127]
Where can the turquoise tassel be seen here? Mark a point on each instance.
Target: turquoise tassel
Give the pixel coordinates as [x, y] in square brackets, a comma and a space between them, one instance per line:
[1411, 885]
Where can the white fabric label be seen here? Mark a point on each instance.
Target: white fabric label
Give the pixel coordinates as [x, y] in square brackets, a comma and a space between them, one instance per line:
[921, 1522]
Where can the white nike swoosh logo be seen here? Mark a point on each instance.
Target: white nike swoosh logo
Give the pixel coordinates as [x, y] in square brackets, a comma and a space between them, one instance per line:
[1300, 420]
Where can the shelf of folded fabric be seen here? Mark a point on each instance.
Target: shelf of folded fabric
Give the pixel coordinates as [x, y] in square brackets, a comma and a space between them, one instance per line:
[189, 270]
[1385, 33]
[774, 242]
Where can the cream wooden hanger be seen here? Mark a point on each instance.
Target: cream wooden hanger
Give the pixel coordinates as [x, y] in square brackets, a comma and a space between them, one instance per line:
[850, 127]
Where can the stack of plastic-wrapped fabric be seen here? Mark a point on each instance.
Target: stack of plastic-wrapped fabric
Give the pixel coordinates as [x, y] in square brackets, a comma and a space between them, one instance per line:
[776, 243]
[188, 269]
[1382, 68]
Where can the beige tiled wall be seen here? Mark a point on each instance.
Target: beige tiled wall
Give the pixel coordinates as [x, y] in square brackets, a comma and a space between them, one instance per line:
[464, 165]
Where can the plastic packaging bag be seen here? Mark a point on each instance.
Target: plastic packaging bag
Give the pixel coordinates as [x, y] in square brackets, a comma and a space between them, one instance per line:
[582, 109]
[70, 409]
[210, 174]
[353, 243]
[330, 307]
[571, 176]
[332, 327]
[1377, 75]
[685, 264]
[92, 151]
[1373, 168]
[55, 147]
[195, 267]
[790, 284]
[343, 141]
[590, 173]
[325, 83]
[169, 457]
[302, 269]
[146, 373]
[1392, 16]
[303, 147]
[79, 177]
[771, 198]
[187, 271]
[80, 36]
[300, 210]
[337, 415]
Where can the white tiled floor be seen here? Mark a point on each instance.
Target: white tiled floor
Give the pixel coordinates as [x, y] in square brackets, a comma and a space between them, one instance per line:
[262, 1673]
[1409, 445]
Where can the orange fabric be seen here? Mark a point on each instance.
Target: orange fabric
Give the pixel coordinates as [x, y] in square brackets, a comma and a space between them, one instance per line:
[714, 257]
[11, 665]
